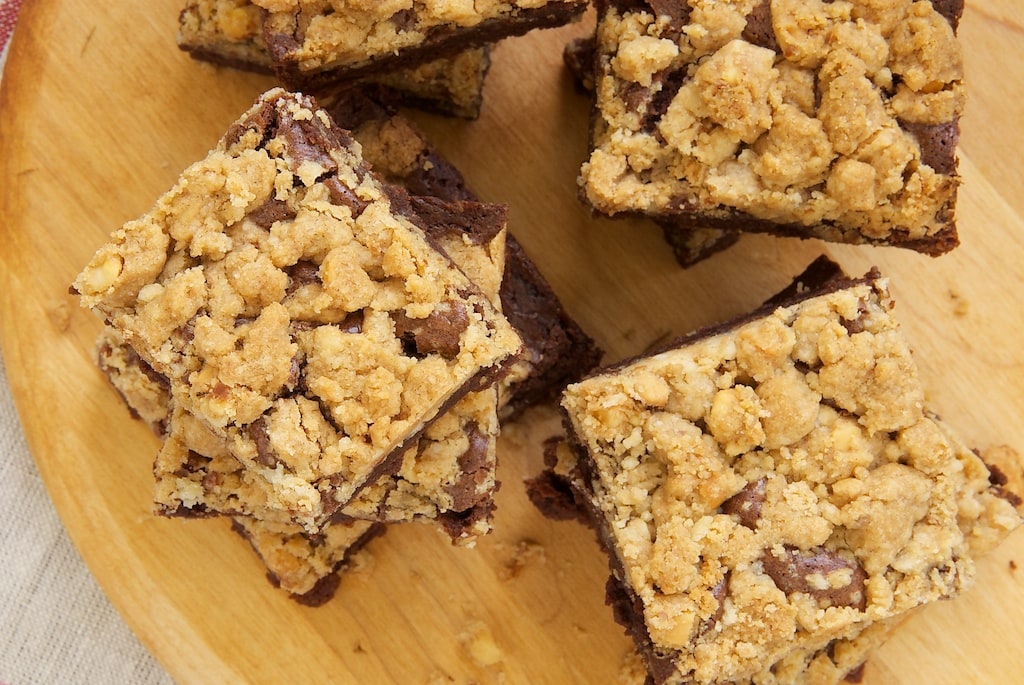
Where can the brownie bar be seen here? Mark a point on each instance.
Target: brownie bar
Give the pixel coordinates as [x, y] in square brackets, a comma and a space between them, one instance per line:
[274, 315]
[312, 45]
[230, 33]
[689, 245]
[823, 120]
[449, 477]
[556, 348]
[774, 485]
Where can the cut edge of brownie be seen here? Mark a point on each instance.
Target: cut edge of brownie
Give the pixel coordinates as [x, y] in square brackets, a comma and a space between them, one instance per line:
[440, 42]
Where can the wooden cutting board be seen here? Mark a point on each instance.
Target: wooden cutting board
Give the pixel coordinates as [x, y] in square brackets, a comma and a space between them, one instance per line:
[100, 112]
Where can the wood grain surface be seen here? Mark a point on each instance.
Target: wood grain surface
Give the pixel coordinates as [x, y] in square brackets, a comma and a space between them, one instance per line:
[100, 112]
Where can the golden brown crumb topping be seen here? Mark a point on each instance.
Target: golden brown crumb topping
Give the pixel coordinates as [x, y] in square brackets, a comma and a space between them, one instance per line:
[802, 122]
[780, 485]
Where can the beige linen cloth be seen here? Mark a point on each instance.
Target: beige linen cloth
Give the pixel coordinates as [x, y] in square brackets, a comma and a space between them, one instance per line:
[56, 625]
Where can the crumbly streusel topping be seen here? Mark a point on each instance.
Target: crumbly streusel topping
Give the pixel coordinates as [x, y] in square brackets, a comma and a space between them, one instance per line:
[780, 484]
[792, 111]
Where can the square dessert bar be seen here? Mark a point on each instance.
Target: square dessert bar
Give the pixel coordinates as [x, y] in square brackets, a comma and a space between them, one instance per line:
[832, 120]
[776, 484]
[297, 309]
[230, 32]
[304, 565]
[312, 42]
[448, 478]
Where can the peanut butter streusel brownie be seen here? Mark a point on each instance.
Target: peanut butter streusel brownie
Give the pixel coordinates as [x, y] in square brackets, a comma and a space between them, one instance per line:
[834, 120]
[306, 566]
[448, 477]
[230, 32]
[297, 309]
[320, 41]
[774, 485]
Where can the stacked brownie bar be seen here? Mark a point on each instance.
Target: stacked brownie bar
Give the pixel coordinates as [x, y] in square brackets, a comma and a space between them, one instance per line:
[432, 55]
[267, 470]
[774, 493]
[836, 121]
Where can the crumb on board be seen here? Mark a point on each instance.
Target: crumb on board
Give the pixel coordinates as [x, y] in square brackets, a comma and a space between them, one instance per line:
[961, 306]
[632, 671]
[519, 557]
[479, 643]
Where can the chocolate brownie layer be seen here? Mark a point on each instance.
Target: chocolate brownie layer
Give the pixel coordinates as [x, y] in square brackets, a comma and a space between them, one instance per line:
[312, 44]
[230, 33]
[824, 120]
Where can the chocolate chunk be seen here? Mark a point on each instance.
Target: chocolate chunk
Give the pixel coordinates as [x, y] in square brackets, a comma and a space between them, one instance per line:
[264, 451]
[677, 11]
[344, 196]
[473, 467]
[353, 323]
[652, 102]
[759, 29]
[938, 144]
[439, 332]
[403, 19]
[308, 140]
[746, 504]
[303, 272]
[854, 326]
[719, 591]
[663, 90]
[271, 211]
[793, 570]
[261, 121]
[194, 463]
